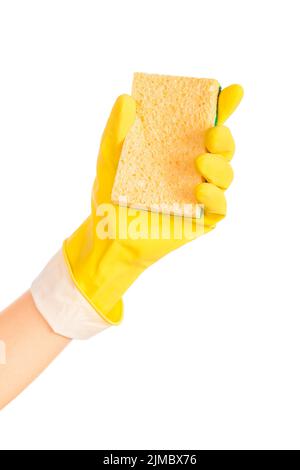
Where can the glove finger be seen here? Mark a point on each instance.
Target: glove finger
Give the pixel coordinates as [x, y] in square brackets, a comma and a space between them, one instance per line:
[228, 101]
[215, 169]
[211, 220]
[212, 198]
[119, 122]
[219, 140]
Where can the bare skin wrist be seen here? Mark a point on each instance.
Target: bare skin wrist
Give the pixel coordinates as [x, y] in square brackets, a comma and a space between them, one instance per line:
[30, 345]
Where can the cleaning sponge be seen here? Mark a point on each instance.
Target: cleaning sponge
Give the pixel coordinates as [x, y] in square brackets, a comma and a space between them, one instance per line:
[157, 169]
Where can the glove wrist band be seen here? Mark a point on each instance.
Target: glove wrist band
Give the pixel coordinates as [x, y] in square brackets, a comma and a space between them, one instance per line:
[62, 305]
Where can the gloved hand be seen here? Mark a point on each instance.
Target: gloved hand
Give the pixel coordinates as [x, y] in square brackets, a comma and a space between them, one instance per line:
[103, 267]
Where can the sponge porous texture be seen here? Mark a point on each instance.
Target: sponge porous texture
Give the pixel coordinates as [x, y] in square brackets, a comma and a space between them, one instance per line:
[157, 168]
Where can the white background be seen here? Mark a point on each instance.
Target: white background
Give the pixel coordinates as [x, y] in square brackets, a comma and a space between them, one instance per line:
[208, 354]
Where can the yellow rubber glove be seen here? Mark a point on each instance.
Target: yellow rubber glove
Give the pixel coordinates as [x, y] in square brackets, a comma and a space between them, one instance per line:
[103, 269]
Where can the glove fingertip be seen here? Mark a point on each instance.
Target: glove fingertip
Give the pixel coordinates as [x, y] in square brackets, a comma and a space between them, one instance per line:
[229, 100]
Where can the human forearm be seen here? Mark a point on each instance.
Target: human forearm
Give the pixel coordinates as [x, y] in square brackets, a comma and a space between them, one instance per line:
[30, 346]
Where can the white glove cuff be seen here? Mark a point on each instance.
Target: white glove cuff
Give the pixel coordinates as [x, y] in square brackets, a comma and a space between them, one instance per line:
[62, 305]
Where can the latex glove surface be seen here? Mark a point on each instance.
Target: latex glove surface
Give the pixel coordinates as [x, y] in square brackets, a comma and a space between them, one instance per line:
[80, 292]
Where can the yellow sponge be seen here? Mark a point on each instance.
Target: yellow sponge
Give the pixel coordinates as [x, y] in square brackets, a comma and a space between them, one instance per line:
[157, 169]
